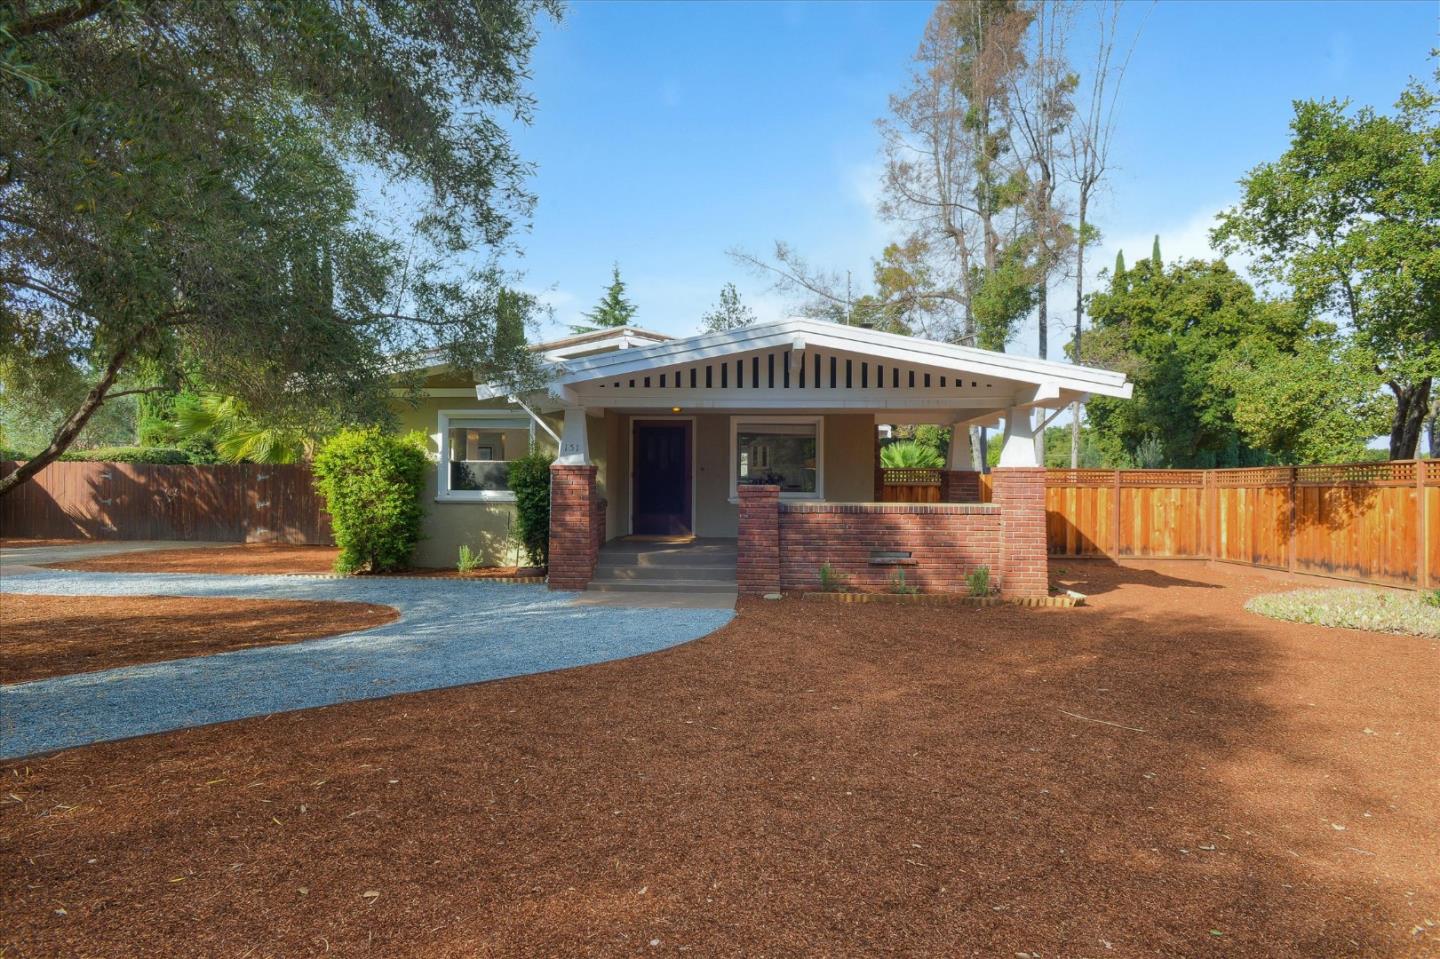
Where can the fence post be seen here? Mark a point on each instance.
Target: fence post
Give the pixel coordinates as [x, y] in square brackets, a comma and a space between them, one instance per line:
[1115, 517]
[1422, 538]
[1290, 520]
[1210, 505]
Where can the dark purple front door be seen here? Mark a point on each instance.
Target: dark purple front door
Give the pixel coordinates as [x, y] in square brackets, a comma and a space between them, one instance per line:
[660, 478]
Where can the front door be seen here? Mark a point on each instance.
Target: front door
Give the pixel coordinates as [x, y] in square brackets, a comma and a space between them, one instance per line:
[660, 478]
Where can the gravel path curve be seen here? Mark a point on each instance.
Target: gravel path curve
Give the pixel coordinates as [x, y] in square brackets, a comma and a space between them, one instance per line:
[450, 633]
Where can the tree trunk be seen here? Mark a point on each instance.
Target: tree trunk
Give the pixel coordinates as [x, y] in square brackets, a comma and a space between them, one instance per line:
[72, 426]
[1079, 312]
[1412, 405]
[1042, 323]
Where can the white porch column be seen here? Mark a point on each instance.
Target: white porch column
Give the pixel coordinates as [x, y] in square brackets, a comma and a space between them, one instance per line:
[960, 457]
[574, 439]
[1019, 448]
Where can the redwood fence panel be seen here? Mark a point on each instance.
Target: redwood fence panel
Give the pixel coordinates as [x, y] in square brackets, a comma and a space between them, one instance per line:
[1369, 522]
[245, 503]
[909, 485]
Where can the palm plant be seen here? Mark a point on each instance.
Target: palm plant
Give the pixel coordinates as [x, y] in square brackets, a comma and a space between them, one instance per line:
[910, 455]
[237, 435]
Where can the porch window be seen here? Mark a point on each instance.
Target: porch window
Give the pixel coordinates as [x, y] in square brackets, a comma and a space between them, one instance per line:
[777, 452]
[475, 453]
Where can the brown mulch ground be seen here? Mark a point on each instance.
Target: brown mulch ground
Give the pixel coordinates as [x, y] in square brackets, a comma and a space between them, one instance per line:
[813, 779]
[44, 636]
[254, 558]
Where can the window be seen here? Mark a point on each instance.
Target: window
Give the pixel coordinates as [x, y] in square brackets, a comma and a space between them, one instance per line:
[475, 453]
[775, 451]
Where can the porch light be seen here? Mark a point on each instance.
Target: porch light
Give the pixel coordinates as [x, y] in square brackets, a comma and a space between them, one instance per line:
[674, 409]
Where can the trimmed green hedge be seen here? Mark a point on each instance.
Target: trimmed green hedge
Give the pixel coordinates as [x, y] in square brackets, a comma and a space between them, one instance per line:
[372, 482]
[158, 455]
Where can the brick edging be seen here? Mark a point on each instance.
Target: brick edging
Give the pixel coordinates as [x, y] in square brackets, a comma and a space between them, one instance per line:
[947, 599]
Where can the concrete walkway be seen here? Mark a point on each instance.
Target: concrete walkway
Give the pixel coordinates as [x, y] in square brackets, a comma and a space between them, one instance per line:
[16, 556]
[450, 633]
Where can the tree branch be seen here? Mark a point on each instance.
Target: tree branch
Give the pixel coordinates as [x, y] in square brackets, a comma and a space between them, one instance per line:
[57, 20]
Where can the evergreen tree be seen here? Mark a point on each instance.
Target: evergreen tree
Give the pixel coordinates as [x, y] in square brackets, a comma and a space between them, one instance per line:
[729, 313]
[1118, 283]
[613, 310]
[511, 309]
[1156, 263]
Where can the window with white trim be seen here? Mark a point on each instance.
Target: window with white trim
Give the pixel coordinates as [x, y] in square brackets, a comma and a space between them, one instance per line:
[475, 453]
[777, 451]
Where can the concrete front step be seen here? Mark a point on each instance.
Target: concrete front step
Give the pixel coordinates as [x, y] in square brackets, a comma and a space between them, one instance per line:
[698, 566]
[721, 572]
[661, 586]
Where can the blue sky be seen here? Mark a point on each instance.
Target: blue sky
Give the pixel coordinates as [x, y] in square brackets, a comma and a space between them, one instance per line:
[667, 133]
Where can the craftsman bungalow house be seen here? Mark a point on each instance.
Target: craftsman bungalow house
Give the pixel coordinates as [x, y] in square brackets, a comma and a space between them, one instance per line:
[758, 448]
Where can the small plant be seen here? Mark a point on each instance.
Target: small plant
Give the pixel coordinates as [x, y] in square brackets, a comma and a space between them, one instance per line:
[978, 580]
[898, 584]
[831, 581]
[1432, 598]
[469, 559]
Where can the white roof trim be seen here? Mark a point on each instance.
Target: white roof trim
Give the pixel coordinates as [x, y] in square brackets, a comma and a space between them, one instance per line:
[810, 334]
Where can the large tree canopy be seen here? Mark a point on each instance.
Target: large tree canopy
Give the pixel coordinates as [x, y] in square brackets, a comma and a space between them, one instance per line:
[1349, 220]
[1170, 330]
[178, 195]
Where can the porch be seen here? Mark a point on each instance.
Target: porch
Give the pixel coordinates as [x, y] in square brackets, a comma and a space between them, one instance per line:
[769, 435]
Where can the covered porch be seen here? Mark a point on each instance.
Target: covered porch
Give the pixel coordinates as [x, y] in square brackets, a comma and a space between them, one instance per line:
[711, 435]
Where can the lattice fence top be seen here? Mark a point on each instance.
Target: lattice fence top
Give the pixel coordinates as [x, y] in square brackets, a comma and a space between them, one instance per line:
[1371, 474]
[1397, 473]
[1254, 476]
[1126, 478]
[911, 477]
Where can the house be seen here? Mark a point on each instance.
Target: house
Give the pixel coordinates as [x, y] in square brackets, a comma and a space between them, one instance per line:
[765, 436]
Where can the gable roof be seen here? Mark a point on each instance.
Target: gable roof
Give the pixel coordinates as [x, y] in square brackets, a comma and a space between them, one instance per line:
[804, 333]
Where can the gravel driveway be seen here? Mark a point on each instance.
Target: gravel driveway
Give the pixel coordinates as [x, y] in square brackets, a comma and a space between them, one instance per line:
[450, 633]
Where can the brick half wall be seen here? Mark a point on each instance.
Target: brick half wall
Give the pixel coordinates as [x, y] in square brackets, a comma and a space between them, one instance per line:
[946, 541]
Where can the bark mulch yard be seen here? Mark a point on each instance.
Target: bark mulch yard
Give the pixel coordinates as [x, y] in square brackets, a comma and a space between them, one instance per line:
[252, 558]
[1159, 773]
[43, 636]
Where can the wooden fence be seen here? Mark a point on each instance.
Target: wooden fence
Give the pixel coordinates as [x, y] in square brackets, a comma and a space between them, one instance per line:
[908, 485]
[1368, 522]
[246, 503]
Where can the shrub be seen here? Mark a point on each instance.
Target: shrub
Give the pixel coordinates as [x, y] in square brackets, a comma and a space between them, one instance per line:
[469, 559]
[372, 481]
[907, 454]
[831, 580]
[1370, 609]
[1432, 598]
[156, 455]
[978, 580]
[7, 455]
[530, 482]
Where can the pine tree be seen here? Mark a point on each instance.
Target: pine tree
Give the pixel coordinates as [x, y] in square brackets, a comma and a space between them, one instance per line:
[613, 309]
[729, 313]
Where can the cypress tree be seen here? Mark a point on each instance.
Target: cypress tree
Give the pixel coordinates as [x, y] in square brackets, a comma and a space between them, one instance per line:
[1155, 263]
[1119, 283]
